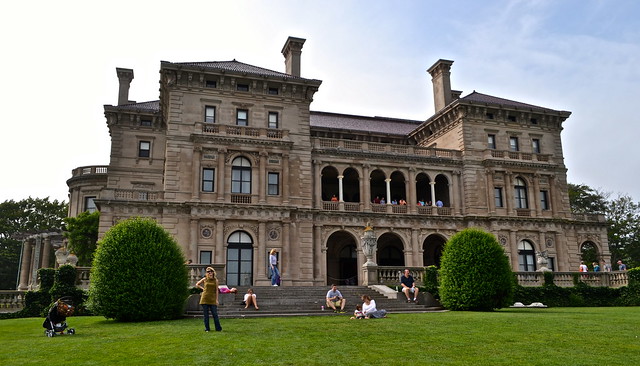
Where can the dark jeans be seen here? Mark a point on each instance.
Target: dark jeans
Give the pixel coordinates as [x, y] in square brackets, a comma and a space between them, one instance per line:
[214, 311]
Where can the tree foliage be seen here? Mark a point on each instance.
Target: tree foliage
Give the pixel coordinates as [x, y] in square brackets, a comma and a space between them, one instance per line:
[82, 232]
[475, 273]
[138, 273]
[584, 199]
[19, 219]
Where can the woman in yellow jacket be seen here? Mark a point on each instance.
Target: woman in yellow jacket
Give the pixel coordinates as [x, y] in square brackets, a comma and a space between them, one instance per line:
[209, 298]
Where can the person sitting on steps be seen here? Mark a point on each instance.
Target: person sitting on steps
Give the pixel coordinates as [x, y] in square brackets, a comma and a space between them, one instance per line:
[334, 298]
[409, 286]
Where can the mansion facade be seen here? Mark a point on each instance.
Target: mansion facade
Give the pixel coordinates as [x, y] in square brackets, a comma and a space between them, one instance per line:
[232, 162]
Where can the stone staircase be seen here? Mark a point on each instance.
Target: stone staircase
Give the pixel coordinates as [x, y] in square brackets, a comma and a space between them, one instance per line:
[308, 301]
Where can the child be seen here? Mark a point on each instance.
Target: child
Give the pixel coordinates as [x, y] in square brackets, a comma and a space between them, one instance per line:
[357, 314]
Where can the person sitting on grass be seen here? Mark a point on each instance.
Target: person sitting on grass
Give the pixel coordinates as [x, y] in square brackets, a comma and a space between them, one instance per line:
[369, 308]
[358, 314]
[334, 299]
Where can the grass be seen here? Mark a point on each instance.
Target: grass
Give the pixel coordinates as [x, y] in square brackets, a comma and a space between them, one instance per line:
[555, 336]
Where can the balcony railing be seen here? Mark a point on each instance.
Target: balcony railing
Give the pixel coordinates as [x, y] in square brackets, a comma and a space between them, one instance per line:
[219, 129]
[89, 170]
[135, 195]
[386, 208]
[565, 279]
[517, 155]
[385, 148]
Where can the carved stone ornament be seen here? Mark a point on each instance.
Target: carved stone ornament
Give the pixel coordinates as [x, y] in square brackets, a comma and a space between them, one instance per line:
[206, 233]
[503, 240]
[274, 234]
[549, 243]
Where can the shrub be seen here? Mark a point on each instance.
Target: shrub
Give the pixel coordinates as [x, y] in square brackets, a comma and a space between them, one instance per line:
[65, 285]
[475, 273]
[138, 273]
[431, 281]
[47, 278]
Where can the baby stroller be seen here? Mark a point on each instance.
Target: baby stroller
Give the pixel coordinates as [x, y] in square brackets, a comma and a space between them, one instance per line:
[56, 321]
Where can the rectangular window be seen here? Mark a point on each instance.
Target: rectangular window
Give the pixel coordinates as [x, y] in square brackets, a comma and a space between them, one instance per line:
[205, 257]
[497, 194]
[535, 145]
[144, 149]
[242, 117]
[511, 118]
[145, 122]
[209, 114]
[89, 204]
[273, 119]
[489, 115]
[210, 84]
[242, 87]
[208, 179]
[551, 263]
[544, 200]
[273, 91]
[513, 144]
[491, 141]
[274, 184]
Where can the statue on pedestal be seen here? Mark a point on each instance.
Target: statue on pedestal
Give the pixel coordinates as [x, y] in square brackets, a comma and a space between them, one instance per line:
[543, 261]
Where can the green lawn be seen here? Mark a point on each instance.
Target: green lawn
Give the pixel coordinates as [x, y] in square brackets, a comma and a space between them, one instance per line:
[556, 336]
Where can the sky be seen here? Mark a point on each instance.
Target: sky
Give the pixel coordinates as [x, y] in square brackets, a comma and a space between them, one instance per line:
[59, 60]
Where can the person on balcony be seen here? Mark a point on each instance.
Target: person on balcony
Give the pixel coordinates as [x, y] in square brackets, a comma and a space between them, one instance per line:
[439, 203]
[376, 200]
[334, 198]
[621, 266]
[409, 286]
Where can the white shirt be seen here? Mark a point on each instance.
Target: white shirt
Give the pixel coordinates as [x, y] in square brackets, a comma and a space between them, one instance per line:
[366, 309]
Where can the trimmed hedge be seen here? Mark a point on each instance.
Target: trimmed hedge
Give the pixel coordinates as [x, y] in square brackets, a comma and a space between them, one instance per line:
[475, 273]
[138, 273]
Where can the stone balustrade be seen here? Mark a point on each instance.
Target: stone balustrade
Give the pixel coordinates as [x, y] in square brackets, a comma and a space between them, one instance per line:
[565, 279]
[11, 300]
[256, 132]
[374, 147]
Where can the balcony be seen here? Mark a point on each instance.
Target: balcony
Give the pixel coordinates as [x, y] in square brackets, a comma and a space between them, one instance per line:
[374, 147]
[386, 208]
[243, 131]
[89, 170]
[517, 155]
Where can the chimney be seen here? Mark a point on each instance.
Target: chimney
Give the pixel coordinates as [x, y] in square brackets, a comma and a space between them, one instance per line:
[291, 51]
[440, 77]
[124, 76]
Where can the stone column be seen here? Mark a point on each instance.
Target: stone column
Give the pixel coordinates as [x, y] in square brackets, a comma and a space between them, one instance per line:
[388, 182]
[317, 196]
[262, 177]
[433, 193]
[195, 189]
[284, 258]
[46, 252]
[513, 243]
[340, 189]
[412, 197]
[554, 200]
[25, 265]
[415, 245]
[536, 195]
[193, 240]
[491, 204]
[318, 272]
[285, 179]
[261, 266]
[456, 192]
[35, 261]
[366, 184]
[219, 248]
[221, 174]
[508, 193]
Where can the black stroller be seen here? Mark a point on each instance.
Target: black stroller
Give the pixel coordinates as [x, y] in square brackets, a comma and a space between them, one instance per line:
[56, 321]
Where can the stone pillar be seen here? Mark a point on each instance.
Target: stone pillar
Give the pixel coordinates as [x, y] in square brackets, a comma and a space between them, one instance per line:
[25, 265]
[221, 174]
[491, 202]
[513, 243]
[197, 179]
[46, 252]
[261, 266]
[456, 192]
[318, 268]
[554, 199]
[262, 177]
[412, 197]
[415, 245]
[536, 195]
[433, 193]
[193, 239]
[508, 193]
[388, 182]
[285, 179]
[340, 188]
[284, 258]
[366, 184]
[219, 248]
[317, 196]
[35, 261]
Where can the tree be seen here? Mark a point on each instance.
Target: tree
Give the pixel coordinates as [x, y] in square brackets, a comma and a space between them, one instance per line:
[82, 232]
[138, 273]
[475, 273]
[624, 230]
[584, 199]
[17, 221]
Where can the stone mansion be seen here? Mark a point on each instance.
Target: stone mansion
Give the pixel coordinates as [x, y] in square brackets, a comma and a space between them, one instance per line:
[232, 161]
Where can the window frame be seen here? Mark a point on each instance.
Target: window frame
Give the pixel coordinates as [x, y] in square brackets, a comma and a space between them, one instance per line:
[498, 197]
[242, 87]
[535, 146]
[514, 144]
[91, 208]
[544, 200]
[144, 153]
[491, 141]
[211, 181]
[277, 121]
[520, 193]
[207, 118]
[241, 176]
[244, 120]
[271, 185]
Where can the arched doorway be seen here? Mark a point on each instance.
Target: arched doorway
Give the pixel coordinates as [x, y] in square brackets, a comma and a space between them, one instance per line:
[526, 256]
[329, 183]
[589, 253]
[342, 259]
[390, 250]
[432, 248]
[239, 259]
[442, 190]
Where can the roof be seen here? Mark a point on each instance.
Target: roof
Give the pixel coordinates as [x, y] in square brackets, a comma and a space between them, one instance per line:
[384, 125]
[237, 67]
[152, 106]
[476, 97]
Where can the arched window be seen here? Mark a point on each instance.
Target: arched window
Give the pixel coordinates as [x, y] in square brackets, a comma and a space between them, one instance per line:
[526, 257]
[520, 193]
[239, 259]
[241, 175]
